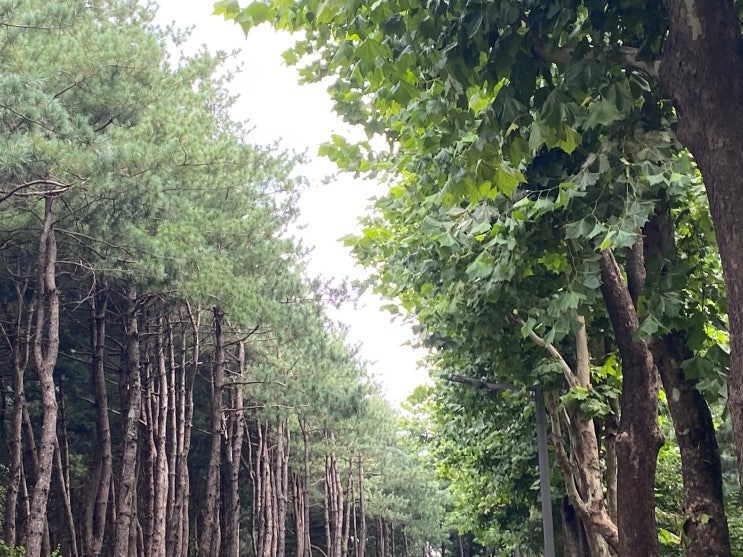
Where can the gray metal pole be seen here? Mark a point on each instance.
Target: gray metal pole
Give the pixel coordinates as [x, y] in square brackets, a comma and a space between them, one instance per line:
[544, 474]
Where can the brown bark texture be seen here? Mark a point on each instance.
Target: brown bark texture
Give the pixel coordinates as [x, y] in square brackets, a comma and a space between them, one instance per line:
[45, 349]
[131, 396]
[639, 438]
[702, 70]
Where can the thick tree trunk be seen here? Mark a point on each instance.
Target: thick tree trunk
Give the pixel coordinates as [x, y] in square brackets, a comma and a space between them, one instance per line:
[131, 397]
[705, 524]
[96, 507]
[702, 69]
[705, 527]
[46, 346]
[210, 531]
[639, 437]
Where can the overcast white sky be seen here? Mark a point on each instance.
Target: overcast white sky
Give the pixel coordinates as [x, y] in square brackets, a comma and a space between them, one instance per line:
[301, 118]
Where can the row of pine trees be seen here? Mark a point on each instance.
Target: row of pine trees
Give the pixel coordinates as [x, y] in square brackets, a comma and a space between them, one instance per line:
[171, 384]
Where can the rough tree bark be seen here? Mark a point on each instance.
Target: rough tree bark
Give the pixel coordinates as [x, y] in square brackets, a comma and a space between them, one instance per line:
[45, 349]
[639, 438]
[131, 397]
[579, 464]
[702, 69]
[705, 526]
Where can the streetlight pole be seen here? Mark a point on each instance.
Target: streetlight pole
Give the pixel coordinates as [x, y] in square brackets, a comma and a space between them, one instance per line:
[548, 529]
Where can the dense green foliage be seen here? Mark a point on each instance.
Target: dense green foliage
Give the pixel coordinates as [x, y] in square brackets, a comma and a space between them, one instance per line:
[522, 141]
[176, 272]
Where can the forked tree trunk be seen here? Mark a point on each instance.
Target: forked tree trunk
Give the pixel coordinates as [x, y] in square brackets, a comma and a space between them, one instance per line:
[131, 396]
[45, 348]
[639, 438]
[579, 463]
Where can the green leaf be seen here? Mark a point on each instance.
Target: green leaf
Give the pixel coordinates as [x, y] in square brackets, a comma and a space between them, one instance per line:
[602, 113]
[481, 267]
[229, 9]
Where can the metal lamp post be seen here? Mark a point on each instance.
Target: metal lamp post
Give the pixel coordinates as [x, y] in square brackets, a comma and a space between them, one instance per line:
[548, 530]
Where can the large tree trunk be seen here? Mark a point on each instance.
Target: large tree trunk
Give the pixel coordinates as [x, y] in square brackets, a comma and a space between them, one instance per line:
[46, 347]
[702, 69]
[705, 527]
[131, 396]
[210, 531]
[639, 438]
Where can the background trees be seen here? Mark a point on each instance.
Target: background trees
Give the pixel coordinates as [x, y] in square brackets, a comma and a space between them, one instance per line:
[173, 385]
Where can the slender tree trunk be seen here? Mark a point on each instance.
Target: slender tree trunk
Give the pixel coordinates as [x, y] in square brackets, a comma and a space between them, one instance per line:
[46, 346]
[236, 425]
[333, 506]
[96, 508]
[184, 418]
[159, 429]
[62, 464]
[131, 397]
[18, 340]
[362, 510]
[704, 46]
[639, 437]
[210, 531]
[282, 480]
[346, 529]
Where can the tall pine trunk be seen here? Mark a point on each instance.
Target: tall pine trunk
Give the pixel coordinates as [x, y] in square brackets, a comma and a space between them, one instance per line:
[45, 349]
[130, 389]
